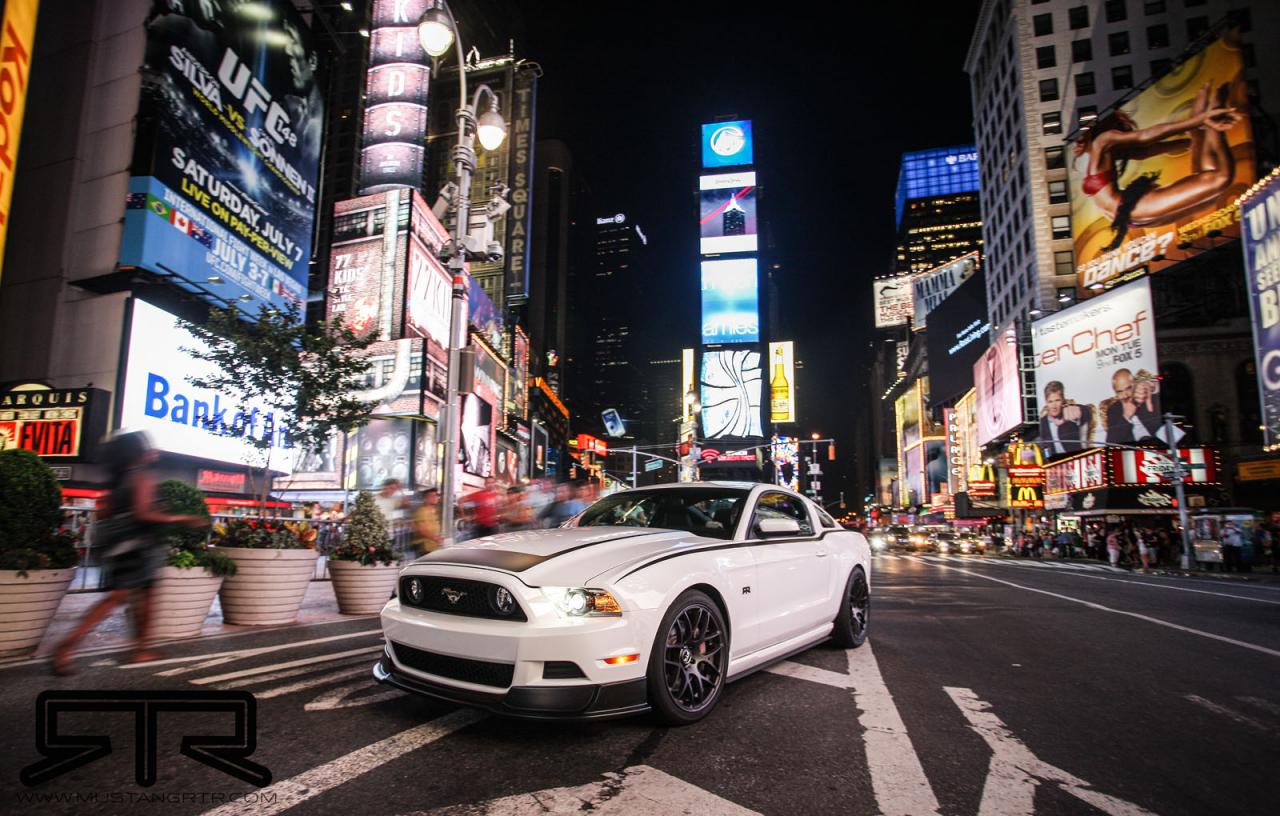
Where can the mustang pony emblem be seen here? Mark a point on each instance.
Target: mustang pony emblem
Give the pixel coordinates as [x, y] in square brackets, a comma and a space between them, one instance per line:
[453, 595]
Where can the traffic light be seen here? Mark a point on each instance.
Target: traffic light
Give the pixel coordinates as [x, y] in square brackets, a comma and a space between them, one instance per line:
[831, 452]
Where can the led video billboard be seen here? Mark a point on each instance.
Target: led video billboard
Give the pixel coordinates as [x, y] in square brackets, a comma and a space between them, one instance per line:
[997, 380]
[932, 287]
[1260, 214]
[1163, 169]
[730, 393]
[227, 154]
[1097, 374]
[392, 148]
[782, 382]
[730, 301]
[957, 337]
[727, 144]
[727, 213]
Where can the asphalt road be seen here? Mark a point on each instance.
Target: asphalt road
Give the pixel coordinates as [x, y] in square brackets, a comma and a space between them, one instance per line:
[989, 687]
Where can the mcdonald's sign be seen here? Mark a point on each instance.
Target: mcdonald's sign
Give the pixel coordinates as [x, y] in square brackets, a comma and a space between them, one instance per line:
[1026, 453]
[981, 482]
[1026, 497]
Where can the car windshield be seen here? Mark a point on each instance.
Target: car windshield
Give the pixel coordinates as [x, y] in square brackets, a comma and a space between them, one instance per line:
[711, 512]
[945, 536]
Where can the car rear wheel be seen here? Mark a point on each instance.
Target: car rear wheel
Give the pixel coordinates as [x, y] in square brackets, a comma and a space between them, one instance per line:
[854, 618]
[689, 660]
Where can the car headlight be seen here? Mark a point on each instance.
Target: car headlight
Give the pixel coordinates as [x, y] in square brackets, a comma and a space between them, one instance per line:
[582, 602]
[877, 543]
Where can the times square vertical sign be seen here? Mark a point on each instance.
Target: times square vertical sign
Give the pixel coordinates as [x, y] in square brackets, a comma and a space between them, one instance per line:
[1260, 220]
[222, 194]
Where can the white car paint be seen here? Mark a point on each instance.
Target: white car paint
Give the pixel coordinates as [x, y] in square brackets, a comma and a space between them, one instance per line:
[777, 596]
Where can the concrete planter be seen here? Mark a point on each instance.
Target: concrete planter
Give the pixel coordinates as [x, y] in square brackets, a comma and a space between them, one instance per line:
[268, 586]
[362, 590]
[28, 601]
[182, 600]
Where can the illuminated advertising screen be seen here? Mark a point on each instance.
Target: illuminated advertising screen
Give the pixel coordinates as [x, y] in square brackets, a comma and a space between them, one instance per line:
[52, 423]
[365, 287]
[891, 298]
[180, 418]
[957, 337]
[786, 461]
[731, 390]
[428, 298]
[727, 213]
[782, 382]
[395, 109]
[997, 381]
[379, 451]
[688, 374]
[730, 302]
[477, 436]
[16, 42]
[931, 288]
[1097, 375]
[1260, 214]
[223, 193]
[727, 144]
[935, 468]
[1164, 169]
[519, 385]
[935, 172]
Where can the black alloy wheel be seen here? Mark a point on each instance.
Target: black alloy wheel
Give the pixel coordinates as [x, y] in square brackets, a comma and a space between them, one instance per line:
[854, 618]
[689, 660]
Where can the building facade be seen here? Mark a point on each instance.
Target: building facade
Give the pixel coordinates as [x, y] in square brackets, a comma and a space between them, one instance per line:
[937, 208]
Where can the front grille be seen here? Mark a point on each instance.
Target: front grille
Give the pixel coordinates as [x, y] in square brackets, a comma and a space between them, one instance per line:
[561, 670]
[457, 596]
[480, 672]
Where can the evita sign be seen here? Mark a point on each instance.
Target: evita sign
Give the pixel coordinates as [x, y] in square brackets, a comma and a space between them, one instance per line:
[53, 423]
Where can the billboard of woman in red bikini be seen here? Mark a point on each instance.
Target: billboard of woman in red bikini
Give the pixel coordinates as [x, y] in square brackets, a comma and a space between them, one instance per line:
[1163, 168]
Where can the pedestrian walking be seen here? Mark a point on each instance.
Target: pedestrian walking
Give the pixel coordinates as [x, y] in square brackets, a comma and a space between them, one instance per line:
[1232, 544]
[1114, 547]
[133, 552]
[1145, 546]
[426, 524]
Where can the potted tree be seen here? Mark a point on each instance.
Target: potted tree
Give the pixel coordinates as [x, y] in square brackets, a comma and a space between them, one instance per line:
[275, 562]
[37, 557]
[363, 567]
[194, 572]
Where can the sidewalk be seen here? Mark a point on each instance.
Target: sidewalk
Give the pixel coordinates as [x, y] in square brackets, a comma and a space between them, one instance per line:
[319, 606]
[1259, 575]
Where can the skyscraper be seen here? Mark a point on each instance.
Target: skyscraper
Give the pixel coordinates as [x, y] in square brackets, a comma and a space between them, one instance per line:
[936, 205]
[1039, 69]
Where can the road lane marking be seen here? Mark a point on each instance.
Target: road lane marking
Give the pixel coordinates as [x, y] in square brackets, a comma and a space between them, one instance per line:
[1181, 589]
[310, 784]
[343, 697]
[306, 661]
[310, 682]
[1210, 635]
[639, 789]
[800, 671]
[897, 777]
[1229, 713]
[211, 659]
[1265, 705]
[282, 675]
[1015, 772]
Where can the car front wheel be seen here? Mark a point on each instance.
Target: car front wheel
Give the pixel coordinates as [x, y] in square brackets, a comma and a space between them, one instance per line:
[689, 660]
[854, 617]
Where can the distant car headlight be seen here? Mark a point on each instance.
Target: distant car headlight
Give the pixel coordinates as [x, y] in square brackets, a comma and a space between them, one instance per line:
[580, 602]
[878, 543]
[943, 546]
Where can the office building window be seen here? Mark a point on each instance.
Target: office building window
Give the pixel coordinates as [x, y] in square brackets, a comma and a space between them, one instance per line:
[1057, 192]
[1052, 122]
[1161, 67]
[1084, 84]
[1045, 57]
[1054, 158]
[1196, 27]
[1081, 50]
[1048, 90]
[1158, 36]
[1061, 226]
[1118, 43]
[1122, 77]
[1078, 17]
[1088, 114]
[1116, 11]
[1153, 7]
[1042, 24]
[1192, 3]
[1063, 263]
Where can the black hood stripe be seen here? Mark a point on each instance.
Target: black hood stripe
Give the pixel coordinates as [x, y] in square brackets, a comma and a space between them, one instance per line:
[511, 560]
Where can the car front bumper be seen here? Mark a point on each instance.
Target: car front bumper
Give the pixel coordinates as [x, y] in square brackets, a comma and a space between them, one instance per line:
[584, 701]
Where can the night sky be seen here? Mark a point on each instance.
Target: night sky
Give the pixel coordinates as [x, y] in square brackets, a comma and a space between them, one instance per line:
[834, 103]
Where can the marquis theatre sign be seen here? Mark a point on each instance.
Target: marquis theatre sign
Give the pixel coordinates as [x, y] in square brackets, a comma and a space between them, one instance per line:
[54, 423]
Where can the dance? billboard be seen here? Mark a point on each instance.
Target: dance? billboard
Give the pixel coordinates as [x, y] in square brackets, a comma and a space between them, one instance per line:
[1163, 170]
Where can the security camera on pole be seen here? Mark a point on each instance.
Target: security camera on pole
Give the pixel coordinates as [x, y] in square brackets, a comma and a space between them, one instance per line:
[437, 30]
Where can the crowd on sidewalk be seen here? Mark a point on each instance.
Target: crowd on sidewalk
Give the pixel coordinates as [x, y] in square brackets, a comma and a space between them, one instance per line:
[1146, 547]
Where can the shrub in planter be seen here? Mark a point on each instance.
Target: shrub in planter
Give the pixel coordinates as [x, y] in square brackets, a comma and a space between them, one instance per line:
[37, 558]
[194, 571]
[363, 567]
[188, 547]
[275, 563]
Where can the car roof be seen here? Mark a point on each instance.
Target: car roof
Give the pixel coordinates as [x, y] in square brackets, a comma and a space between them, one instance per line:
[722, 485]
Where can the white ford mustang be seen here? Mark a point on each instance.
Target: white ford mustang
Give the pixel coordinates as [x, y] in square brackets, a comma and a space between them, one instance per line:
[650, 599]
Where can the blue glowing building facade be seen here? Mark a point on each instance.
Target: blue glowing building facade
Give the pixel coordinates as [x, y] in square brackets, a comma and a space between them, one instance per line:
[936, 208]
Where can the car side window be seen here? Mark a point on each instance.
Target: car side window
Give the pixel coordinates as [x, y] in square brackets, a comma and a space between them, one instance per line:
[780, 505]
[827, 521]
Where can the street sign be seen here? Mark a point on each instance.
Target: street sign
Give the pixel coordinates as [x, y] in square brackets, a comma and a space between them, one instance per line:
[653, 464]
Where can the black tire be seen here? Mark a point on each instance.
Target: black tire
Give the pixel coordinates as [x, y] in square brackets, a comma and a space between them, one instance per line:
[689, 660]
[854, 619]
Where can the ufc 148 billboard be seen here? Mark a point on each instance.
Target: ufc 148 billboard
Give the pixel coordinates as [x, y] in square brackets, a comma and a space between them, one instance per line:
[1260, 214]
[1096, 371]
[1163, 169]
[227, 155]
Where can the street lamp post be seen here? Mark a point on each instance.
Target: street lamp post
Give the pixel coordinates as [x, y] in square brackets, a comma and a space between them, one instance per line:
[437, 30]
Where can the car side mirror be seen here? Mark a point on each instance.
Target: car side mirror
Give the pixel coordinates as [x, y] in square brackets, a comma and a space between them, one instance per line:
[775, 527]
